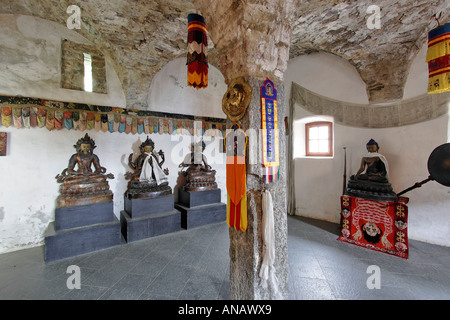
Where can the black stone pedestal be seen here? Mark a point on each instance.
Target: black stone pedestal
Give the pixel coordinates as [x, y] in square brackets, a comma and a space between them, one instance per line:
[145, 218]
[81, 229]
[200, 208]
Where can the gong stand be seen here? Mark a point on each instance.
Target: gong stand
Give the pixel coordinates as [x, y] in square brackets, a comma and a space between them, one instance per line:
[438, 168]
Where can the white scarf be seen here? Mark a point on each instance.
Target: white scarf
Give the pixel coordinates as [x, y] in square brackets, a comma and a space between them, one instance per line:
[147, 170]
[382, 158]
[267, 271]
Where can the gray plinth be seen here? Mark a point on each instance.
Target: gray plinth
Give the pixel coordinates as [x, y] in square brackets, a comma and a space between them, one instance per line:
[202, 215]
[197, 198]
[76, 241]
[138, 208]
[85, 215]
[81, 229]
[134, 229]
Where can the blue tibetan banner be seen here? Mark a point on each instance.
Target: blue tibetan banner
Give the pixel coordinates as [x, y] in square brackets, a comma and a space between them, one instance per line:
[269, 131]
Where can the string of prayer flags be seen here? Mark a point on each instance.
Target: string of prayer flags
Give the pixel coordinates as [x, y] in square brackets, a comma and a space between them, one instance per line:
[236, 178]
[3, 143]
[33, 116]
[76, 120]
[269, 121]
[59, 115]
[17, 117]
[68, 120]
[83, 119]
[197, 56]
[90, 119]
[438, 59]
[97, 122]
[111, 122]
[6, 116]
[23, 112]
[41, 115]
[50, 121]
[104, 122]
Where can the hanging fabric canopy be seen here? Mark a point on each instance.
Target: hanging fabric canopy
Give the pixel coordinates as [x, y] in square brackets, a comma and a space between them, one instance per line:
[197, 57]
[438, 59]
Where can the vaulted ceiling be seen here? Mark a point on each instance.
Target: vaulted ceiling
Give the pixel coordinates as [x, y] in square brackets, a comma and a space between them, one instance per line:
[251, 37]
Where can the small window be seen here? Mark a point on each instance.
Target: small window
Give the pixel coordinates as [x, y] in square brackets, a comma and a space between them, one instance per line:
[319, 139]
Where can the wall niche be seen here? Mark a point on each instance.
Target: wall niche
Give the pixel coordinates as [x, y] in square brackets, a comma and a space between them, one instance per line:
[74, 57]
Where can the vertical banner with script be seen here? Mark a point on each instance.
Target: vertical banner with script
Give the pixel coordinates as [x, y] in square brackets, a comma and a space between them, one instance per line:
[269, 121]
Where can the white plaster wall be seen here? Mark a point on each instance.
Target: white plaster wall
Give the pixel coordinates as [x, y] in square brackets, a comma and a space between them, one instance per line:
[30, 62]
[319, 182]
[30, 51]
[169, 92]
[327, 75]
[417, 80]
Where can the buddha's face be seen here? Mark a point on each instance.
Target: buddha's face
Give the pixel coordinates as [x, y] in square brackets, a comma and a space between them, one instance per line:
[372, 148]
[85, 148]
[148, 149]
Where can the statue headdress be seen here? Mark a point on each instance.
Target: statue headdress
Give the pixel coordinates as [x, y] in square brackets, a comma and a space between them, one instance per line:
[148, 142]
[85, 140]
[372, 143]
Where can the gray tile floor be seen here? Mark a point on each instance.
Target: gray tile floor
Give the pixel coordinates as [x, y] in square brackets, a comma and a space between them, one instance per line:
[194, 265]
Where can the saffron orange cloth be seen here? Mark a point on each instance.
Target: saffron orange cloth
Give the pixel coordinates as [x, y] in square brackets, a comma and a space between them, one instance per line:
[236, 142]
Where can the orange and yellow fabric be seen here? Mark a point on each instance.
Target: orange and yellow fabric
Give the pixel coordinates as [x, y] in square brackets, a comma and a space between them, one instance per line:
[236, 142]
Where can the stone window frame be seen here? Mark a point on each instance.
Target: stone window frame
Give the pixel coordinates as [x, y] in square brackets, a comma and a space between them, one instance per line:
[72, 67]
[314, 124]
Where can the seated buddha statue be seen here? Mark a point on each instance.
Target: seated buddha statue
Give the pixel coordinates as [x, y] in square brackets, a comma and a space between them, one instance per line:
[80, 184]
[198, 173]
[148, 180]
[371, 181]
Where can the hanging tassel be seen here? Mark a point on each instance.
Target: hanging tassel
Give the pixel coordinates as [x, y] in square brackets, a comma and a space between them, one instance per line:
[267, 271]
[197, 57]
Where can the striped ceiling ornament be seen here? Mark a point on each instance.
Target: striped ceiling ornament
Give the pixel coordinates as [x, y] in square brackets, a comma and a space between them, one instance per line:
[438, 59]
[197, 57]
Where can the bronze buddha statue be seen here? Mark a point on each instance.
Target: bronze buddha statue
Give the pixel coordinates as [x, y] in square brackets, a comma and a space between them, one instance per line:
[148, 180]
[371, 180]
[198, 173]
[83, 185]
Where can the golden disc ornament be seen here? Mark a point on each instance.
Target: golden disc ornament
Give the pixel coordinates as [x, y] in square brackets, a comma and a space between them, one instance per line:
[237, 99]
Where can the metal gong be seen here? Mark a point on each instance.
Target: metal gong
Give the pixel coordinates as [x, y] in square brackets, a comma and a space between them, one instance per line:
[438, 168]
[439, 164]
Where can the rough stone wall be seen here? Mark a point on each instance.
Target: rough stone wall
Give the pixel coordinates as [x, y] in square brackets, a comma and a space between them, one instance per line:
[251, 37]
[245, 45]
[381, 55]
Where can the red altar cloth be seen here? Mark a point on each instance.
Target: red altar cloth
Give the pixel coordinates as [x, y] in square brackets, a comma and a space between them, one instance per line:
[375, 225]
